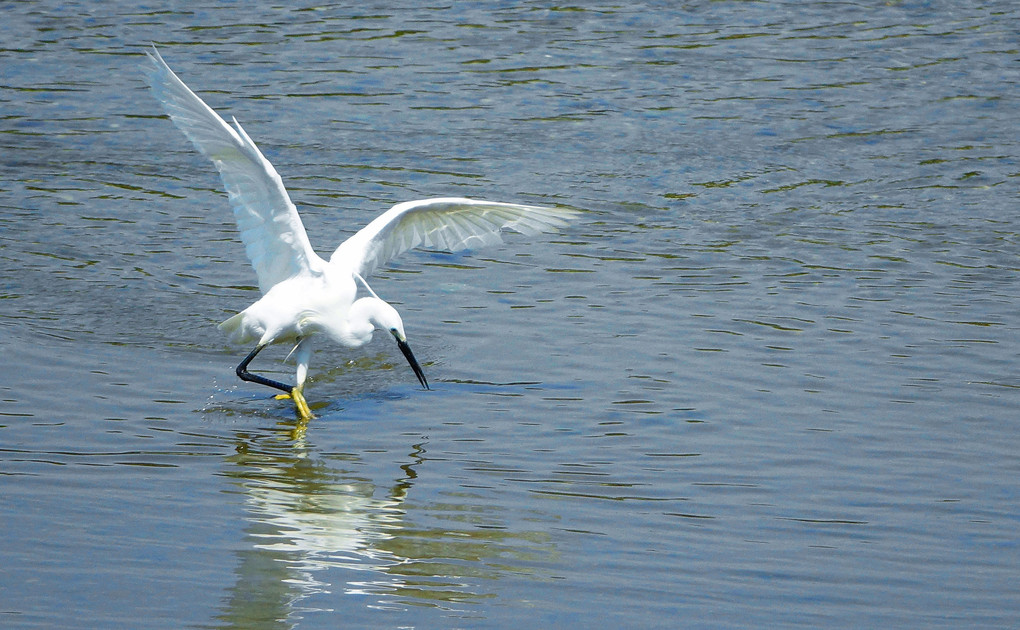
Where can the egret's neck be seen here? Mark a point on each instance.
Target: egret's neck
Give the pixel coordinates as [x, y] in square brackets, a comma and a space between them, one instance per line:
[370, 313]
[361, 321]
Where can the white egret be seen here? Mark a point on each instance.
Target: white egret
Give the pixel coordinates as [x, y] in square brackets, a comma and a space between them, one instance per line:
[304, 296]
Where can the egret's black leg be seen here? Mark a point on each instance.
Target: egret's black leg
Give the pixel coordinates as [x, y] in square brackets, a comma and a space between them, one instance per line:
[245, 375]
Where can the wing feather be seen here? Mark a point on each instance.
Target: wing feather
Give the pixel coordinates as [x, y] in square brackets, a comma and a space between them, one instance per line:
[446, 223]
[274, 237]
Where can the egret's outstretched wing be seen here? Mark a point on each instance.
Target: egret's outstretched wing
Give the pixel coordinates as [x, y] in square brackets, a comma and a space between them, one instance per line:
[271, 229]
[448, 223]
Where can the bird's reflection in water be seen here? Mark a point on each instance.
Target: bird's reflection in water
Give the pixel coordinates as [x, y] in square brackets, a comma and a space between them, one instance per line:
[319, 532]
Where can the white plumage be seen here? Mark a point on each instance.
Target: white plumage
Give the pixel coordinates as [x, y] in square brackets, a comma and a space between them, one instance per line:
[304, 295]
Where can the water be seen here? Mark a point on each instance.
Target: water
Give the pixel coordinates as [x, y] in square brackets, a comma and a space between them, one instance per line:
[769, 378]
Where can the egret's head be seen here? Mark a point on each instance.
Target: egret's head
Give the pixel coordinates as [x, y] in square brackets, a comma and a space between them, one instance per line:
[381, 315]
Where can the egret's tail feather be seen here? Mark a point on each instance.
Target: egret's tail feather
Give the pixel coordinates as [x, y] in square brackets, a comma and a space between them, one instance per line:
[235, 328]
[231, 325]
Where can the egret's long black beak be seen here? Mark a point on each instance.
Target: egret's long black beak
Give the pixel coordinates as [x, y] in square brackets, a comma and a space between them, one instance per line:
[406, 349]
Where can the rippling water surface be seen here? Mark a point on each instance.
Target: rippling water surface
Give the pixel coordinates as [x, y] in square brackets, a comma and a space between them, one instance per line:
[769, 378]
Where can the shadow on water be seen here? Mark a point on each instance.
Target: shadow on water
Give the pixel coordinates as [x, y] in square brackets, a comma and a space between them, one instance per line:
[319, 527]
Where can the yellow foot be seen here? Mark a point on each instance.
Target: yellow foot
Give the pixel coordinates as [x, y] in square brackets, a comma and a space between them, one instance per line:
[300, 405]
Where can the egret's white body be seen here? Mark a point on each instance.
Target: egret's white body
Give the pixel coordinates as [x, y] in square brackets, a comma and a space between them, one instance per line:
[304, 296]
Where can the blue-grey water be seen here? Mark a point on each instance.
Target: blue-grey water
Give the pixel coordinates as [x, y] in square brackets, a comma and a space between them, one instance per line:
[769, 378]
